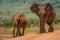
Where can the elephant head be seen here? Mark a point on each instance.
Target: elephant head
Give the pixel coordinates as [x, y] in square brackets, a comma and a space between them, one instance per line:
[41, 8]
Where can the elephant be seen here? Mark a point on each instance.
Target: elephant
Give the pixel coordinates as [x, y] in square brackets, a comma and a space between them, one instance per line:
[46, 14]
[19, 21]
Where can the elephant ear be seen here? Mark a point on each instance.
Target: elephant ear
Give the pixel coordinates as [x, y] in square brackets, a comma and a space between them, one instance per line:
[48, 7]
[34, 8]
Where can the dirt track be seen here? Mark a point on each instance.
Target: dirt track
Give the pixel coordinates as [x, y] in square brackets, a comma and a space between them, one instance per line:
[35, 36]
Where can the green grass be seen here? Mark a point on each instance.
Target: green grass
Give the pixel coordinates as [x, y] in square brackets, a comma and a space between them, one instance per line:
[32, 29]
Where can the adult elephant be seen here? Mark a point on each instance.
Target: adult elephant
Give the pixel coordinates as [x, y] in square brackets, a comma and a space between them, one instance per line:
[19, 21]
[46, 14]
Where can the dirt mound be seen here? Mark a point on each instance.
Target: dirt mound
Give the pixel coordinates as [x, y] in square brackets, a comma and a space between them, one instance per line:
[35, 36]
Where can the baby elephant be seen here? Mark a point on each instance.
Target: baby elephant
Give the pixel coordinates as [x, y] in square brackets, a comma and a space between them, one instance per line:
[19, 21]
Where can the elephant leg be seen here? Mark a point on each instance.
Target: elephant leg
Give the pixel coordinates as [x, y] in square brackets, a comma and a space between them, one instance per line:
[23, 31]
[14, 31]
[42, 28]
[18, 32]
[50, 28]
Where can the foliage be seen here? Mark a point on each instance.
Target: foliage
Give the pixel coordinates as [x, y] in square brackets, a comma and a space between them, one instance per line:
[57, 21]
[6, 23]
[32, 22]
[9, 7]
[0, 12]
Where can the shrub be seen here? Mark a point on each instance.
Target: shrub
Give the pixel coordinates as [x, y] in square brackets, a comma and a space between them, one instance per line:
[57, 21]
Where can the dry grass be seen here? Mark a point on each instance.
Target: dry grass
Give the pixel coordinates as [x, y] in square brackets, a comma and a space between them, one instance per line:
[9, 31]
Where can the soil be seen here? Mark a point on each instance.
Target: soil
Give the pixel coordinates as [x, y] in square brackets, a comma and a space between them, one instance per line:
[36, 36]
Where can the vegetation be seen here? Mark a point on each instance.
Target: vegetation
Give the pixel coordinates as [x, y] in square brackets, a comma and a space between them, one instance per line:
[9, 7]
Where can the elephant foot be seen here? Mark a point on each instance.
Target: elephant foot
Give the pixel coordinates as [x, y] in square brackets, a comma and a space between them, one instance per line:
[14, 36]
[20, 35]
[51, 30]
[17, 35]
[43, 31]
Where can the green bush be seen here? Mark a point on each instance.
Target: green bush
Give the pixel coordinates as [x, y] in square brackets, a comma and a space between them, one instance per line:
[32, 22]
[57, 21]
[6, 23]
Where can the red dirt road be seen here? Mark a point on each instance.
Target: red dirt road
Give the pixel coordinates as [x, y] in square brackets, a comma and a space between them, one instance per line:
[35, 36]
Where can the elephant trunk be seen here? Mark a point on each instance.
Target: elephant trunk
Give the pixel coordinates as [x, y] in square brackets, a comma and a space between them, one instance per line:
[42, 23]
